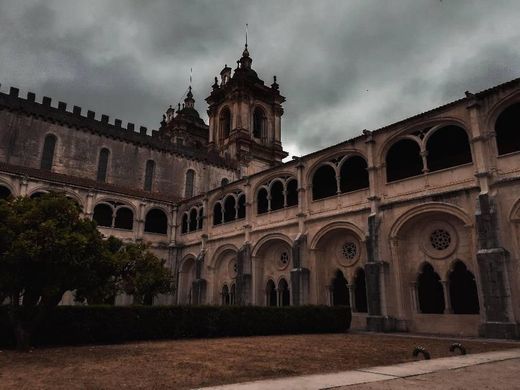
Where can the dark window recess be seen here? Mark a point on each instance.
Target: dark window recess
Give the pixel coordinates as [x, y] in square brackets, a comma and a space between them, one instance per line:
[156, 222]
[37, 194]
[507, 129]
[277, 197]
[224, 182]
[403, 160]
[261, 201]
[360, 291]
[48, 152]
[353, 174]
[229, 209]
[258, 123]
[232, 294]
[184, 224]
[324, 182]
[225, 123]
[430, 291]
[463, 290]
[148, 178]
[193, 220]
[284, 294]
[5, 192]
[292, 193]
[270, 292]
[448, 147]
[241, 212]
[201, 218]
[340, 296]
[217, 214]
[103, 165]
[225, 295]
[124, 219]
[190, 180]
[103, 215]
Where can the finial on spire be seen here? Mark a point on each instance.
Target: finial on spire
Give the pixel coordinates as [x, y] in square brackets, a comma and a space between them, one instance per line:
[274, 85]
[246, 35]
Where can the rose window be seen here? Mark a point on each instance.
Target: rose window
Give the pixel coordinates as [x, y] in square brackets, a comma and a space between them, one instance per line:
[440, 239]
[349, 250]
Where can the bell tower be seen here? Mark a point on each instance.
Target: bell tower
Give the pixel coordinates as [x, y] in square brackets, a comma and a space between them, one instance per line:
[245, 117]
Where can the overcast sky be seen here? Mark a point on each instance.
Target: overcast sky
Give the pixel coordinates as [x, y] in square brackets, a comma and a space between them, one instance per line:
[344, 66]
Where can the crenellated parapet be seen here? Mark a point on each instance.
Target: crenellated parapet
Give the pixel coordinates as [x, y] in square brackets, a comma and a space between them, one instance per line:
[101, 125]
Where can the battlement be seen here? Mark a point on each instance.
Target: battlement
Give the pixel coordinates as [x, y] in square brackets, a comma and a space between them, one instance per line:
[74, 119]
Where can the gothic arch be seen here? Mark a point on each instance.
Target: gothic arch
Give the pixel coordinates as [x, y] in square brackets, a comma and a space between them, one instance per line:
[339, 225]
[8, 186]
[439, 207]
[497, 109]
[268, 238]
[221, 250]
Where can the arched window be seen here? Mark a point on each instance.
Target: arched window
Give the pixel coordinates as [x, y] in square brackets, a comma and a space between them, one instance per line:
[340, 296]
[103, 215]
[5, 192]
[261, 201]
[277, 197]
[184, 223]
[324, 182]
[156, 222]
[190, 180]
[37, 194]
[353, 174]
[292, 193]
[507, 129]
[103, 165]
[225, 123]
[448, 147]
[217, 214]
[124, 218]
[224, 182]
[193, 220]
[270, 293]
[463, 290]
[259, 123]
[360, 291]
[232, 294]
[403, 160]
[48, 152]
[284, 296]
[430, 291]
[148, 177]
[201, 218]
[241, 212]
[230, 212]
[225, 295]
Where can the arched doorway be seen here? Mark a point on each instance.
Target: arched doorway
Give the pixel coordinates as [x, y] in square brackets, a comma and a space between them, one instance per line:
[339, 290]
[463, 290]
[430, 291]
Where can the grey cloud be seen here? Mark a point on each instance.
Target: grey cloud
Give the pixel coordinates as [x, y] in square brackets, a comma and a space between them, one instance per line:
[343, 66]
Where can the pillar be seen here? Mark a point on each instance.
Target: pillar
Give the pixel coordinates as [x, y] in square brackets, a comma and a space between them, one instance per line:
[447, 297]
[299, 274]
[492, 261]
[244, 276]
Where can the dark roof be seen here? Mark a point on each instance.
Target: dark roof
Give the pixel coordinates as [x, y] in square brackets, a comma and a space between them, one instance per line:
[84, 182]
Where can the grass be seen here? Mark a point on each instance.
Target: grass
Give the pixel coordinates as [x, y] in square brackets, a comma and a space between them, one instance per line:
[183, 364]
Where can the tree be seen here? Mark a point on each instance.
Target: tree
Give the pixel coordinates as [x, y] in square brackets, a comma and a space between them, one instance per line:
[138, 272]
[46, 249]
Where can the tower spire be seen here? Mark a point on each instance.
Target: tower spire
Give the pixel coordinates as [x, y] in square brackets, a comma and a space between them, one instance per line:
[246, 35]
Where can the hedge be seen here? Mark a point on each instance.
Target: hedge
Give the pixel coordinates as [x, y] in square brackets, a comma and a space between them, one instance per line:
[68, 325]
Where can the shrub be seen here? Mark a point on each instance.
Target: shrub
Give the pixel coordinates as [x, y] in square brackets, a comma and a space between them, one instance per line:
[68, 325]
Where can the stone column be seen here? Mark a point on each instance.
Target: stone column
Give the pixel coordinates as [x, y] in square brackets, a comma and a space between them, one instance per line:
[492, 260]
[351, 297]
[199, 284]
[413, 295]
[244, 276]
[299, 273]
[447, 298]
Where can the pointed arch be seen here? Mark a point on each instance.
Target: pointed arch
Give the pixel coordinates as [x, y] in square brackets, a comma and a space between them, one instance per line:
[339, 290]
[463, 290]
[430, 291]
[360, 291]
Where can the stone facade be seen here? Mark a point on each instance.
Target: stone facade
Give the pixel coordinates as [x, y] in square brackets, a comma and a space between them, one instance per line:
[415, 225]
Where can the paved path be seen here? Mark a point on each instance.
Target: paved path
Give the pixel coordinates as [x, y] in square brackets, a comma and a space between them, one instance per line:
[484, 370]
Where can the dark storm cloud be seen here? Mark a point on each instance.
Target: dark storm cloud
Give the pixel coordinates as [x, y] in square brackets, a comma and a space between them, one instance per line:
[343, 66]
